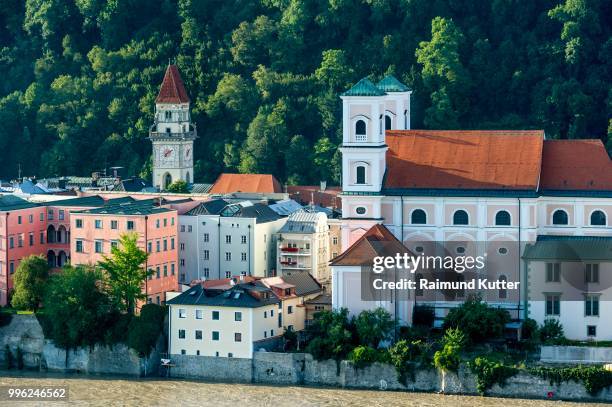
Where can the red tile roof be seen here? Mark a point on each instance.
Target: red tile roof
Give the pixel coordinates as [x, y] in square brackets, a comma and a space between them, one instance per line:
[378, 241]
[576, 165]
[472, 159]
[254, 183]
[172, 89]
[305, 194]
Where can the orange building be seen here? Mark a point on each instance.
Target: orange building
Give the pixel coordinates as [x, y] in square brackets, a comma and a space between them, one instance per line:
[95, 231]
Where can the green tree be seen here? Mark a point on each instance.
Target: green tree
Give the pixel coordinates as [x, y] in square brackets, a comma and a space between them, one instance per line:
[444, 75]
[331, 335]
[374, 326]
[29, 282]
[178, 187]
[125, 272]
[77, 310]
[477, 320]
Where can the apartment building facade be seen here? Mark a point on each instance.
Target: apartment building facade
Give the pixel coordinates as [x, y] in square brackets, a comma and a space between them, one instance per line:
[303, 244]
[95, 231]
[220, 239]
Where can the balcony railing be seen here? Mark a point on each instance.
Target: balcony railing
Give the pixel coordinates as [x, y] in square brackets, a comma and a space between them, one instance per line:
[289, 249]
[191, 134]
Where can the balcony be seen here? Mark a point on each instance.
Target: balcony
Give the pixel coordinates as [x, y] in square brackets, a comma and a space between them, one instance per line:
[288, 262]
[184, 135]
[289, 249]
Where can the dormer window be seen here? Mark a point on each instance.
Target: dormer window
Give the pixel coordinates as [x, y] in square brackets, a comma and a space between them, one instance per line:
[560, 217]
[360, 130]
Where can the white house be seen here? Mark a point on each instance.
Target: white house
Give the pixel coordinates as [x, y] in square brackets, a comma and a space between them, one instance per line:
[233, 322]
[220, 239]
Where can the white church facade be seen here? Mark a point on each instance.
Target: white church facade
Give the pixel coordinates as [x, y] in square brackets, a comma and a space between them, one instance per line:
[502, 189]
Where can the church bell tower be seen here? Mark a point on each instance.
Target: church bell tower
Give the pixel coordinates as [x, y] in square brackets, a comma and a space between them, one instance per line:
[172, 133]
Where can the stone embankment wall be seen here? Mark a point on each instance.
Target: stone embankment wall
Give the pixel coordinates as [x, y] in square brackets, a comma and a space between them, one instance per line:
[299, 368]
[25, 333]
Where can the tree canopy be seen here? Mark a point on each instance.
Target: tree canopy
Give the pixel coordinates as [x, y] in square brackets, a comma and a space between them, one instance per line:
[80, 77]
[125, 272]
[29, 282]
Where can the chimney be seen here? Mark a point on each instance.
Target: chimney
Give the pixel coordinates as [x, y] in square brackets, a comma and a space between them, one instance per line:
[323, 186]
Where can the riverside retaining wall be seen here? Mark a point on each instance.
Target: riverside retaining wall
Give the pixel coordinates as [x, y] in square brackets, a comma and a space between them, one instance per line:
[25, 333]
[299, 368]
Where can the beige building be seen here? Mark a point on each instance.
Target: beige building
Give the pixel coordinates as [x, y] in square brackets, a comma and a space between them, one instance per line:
[294, 289]
[232, 322]
[303, 244]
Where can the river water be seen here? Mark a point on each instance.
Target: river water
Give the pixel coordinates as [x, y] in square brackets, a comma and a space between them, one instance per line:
[111, 391]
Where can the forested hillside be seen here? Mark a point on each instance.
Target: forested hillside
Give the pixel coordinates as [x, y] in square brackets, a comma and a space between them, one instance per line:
[79, 77]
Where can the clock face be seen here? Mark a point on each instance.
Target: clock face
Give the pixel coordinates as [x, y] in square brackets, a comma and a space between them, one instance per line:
[166, 155]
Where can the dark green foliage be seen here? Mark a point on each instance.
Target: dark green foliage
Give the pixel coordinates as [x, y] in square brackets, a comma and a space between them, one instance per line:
[178, 187]
[406, 355]
[363, 356]
[551, 331]
[30, 279]
[146, 328]
[374, 326]
[80, 78]
[477, 320]
[423, 315]
[489, 372]
[332, 335]
[76, 310]
[530, 330]
[594, 378]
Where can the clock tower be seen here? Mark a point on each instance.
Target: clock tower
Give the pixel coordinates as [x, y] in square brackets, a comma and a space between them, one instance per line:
[172, 133]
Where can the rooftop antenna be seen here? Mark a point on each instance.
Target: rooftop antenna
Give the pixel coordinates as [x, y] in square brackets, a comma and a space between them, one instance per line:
[19, 171]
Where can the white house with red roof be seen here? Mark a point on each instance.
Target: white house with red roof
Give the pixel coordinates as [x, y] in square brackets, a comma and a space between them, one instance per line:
[504, 188]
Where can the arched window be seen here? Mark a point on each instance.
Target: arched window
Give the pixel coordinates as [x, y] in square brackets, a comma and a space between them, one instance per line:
[418, 217]
[360, 128]
[380, 124]
[560, 217]
[418, 291]
[406, 119]
[361, 174]
[387, 122]
[598, 218]
[460, 217]
[503, 292]
[187, 178]
[502, 218]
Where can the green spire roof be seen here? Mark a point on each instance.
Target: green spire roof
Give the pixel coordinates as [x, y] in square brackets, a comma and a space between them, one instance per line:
[391, 84]
[364, 87]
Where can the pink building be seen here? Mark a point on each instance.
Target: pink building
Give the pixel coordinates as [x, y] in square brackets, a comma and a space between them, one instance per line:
[28, 228]
[95, 231]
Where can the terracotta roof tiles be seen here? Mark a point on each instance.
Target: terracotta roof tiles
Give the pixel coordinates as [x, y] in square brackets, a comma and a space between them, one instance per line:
[378, 241]
[473, 159]
[172, 89]
[575, 165]
[252, 183]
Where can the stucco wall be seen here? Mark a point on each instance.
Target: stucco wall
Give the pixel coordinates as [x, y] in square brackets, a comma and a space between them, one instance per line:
[575, 354]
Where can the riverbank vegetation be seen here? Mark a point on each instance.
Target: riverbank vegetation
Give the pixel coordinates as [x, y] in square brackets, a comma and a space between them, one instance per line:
[87, 305]
[460, 342]
[80, 77]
